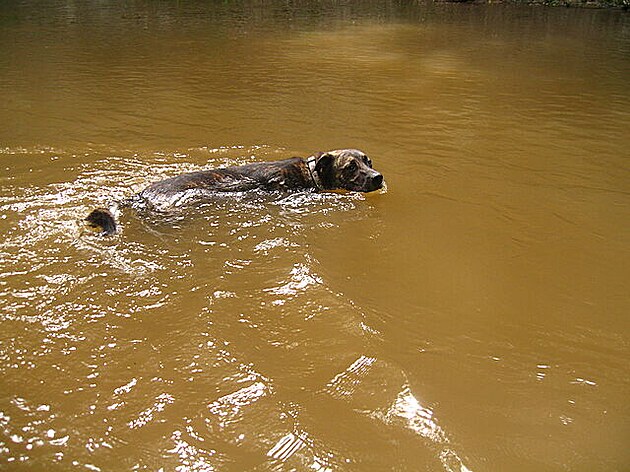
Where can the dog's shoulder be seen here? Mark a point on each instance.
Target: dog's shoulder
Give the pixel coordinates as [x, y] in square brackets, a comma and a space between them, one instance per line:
[286, 174]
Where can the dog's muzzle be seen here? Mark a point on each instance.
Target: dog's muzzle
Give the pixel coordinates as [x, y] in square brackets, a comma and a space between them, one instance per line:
[373, 182]
[377, 181]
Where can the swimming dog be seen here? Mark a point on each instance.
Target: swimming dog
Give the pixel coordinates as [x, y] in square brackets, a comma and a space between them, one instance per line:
[342, 169]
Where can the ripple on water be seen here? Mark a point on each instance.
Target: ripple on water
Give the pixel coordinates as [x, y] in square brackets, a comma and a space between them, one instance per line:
[178, 330]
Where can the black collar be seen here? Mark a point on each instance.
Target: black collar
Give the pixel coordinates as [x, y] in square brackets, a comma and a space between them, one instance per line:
[310, 164]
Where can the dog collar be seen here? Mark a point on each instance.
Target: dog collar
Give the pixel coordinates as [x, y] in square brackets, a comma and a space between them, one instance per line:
[310, 164]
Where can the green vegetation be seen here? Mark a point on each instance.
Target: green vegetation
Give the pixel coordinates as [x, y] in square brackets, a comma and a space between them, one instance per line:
[621, 4]
[614, 4]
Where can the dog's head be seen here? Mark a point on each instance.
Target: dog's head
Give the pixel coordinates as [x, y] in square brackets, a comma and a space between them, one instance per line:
[348, 169]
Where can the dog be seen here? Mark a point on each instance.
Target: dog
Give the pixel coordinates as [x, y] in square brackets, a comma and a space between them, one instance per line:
[342, 169]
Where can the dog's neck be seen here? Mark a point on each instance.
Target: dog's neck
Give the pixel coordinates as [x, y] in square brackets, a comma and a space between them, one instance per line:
[311, 162]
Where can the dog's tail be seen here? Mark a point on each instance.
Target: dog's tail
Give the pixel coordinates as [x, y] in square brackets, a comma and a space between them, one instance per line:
[103, 221]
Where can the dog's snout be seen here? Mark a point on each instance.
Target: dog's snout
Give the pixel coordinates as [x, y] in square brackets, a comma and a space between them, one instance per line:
[377, 180]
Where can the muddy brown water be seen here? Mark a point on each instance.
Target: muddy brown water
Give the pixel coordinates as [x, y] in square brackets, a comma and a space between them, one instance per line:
[472, 316]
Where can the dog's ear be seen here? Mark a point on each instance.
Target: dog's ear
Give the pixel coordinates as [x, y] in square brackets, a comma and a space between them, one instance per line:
[325, 168]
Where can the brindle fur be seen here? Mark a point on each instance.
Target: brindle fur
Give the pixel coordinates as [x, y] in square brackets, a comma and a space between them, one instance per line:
[348, 169]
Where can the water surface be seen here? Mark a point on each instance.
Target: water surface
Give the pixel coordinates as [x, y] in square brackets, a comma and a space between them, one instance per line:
[470, 317]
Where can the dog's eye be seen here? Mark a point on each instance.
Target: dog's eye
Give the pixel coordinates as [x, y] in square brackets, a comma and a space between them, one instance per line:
[352, 166]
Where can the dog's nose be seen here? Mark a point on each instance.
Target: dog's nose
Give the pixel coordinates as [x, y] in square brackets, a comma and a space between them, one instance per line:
[377, 180]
